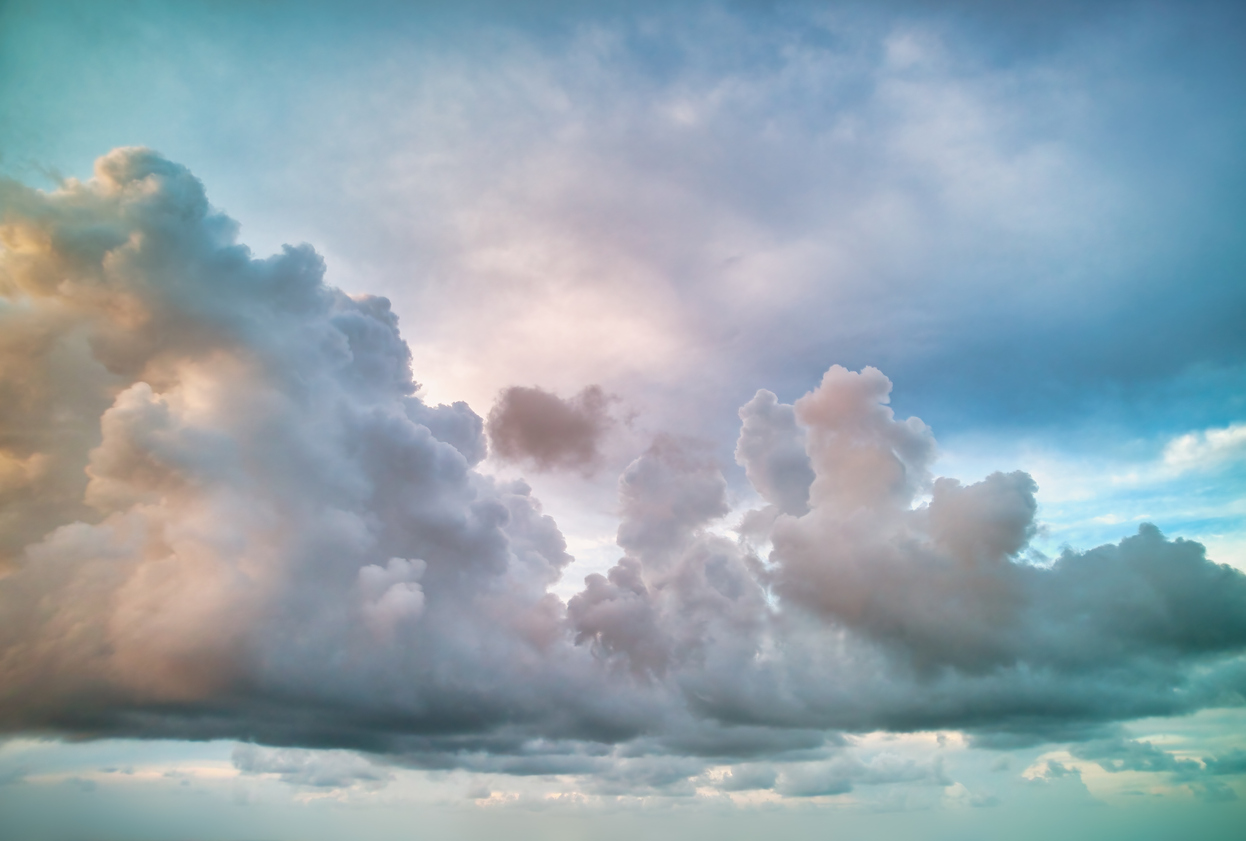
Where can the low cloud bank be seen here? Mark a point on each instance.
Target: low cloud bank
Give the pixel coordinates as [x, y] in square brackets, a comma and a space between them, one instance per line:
[227, 513]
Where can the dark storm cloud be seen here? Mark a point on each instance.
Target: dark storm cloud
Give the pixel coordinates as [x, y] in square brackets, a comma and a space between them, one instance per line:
[232, 516]
[538, 427]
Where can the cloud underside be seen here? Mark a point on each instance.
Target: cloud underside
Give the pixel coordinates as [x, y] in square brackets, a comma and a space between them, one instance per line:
[227, 513]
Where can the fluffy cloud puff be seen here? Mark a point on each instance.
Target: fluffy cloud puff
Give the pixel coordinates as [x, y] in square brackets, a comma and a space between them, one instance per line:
[228, 514]
[944, 583]
[535, 426]
[252, 504]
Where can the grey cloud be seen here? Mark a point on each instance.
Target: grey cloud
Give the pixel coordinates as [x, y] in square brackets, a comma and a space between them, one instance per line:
[547, 431]
[456, 425]
[737, 742]
[1233, 762]
[316, 769]
[681, 594]
[234, 517]
[841, 774]
[945, 584]
[1129, 755]
[771, 449]
[1015, 735]
[667, 775]
[937, 595]
[667, 495]
[1121, 754]
[256, 462]
[616, 613]
[748, 778]
[1055, 770]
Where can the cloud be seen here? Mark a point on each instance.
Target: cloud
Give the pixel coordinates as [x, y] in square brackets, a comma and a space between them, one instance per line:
[1120, 754]
[392, 593]
[748, 778]
[667, 496]
[923, 578]
[614, 200]
[315, 769]
[945, 583]
[540, 428]
[260, 507]
[842, 774]
[771, 449]
[546, 431]
[1233, 762]
[1208, 449]
[233, 516]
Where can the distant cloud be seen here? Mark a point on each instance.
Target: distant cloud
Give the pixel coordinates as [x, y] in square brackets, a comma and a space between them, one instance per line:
[1207, 449]
[1118, 754]
[316, 769]
[771, 449]
[229, 515]
[748, 778]
[543, 429]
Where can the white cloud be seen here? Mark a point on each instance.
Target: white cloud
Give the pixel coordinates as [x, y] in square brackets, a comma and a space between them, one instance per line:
[1208, 449]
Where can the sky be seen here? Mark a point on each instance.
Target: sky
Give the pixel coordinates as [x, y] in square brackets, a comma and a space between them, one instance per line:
[598, 420]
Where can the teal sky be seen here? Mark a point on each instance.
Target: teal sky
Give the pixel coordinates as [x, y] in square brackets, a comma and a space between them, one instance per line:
[525, 548]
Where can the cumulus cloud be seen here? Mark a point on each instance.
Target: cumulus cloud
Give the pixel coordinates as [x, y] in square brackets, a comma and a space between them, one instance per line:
[229, 514]
[392, 594]
[748, 778]
[260, 507]
[896, 579]
[771, 449]
[538, 427]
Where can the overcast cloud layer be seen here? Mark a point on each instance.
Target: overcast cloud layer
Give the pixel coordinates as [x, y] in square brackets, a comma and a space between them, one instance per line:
[228, 514]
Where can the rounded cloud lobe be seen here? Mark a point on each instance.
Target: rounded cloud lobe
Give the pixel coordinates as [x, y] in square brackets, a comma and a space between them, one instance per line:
[228, 514]
[535, 426]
